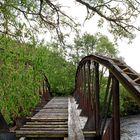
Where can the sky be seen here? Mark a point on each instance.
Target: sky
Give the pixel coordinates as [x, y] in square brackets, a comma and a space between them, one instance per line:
[130, 52]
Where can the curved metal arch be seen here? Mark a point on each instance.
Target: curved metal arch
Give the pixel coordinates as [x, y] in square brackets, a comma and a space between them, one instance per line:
[126, 75]
[87, 93]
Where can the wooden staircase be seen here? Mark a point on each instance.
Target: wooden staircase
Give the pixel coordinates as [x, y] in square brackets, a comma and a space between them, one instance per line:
[50, 122]
[57, 120]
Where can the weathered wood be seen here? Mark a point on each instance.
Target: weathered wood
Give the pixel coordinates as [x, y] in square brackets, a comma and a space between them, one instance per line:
[38, 134]
[58, 101]
[44, 129]
[22, 138]
[48, 123]
[90, 134]
[54, 123]
[74, 128]
[53, 110]
[56, 119]
[56, 107]
[57, 104]
[60, 98]
[45, 126]
[52, 114]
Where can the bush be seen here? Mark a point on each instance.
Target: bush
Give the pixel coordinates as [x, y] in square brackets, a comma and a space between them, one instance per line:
[21, 71]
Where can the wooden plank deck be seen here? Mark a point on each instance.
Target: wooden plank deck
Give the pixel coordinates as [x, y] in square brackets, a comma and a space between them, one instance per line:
[75, 132]
[59, 118]
[50, 121]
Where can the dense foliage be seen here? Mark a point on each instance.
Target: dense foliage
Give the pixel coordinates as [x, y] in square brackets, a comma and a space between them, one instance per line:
[88, 44]
[24, 19]
[22, 67]
[21, 71]
[128, 105]
[120, 16]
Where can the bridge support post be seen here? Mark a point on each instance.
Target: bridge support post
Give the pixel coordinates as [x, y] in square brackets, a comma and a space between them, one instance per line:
[97, 96]
[116, 109]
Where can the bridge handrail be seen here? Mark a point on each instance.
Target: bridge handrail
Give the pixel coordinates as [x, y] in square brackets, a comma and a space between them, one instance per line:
[87, 93]
[45, 88]
[130, 84]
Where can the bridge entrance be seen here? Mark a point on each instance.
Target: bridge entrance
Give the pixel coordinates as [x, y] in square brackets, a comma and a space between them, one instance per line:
[84, 116]
[58, 119]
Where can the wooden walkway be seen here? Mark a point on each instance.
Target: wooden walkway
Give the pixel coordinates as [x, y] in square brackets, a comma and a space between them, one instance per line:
[50, 121]
[58, 119]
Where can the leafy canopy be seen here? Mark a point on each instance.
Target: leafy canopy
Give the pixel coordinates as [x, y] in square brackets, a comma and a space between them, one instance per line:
[120, 15]
[25, 19]
[21, 68]
[92, 44]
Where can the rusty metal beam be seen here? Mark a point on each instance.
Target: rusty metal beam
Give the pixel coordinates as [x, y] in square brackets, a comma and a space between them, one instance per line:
[90, 97]
[116, 108]
[97, 98]
[112, 65]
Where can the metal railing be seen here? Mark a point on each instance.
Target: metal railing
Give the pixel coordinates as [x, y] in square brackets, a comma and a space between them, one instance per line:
[44, 89]
[90, 80]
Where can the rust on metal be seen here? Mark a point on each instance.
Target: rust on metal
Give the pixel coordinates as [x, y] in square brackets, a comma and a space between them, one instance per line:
[88, 82]
[87, 93]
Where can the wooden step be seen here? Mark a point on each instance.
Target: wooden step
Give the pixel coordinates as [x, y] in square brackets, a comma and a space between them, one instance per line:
[58, 102]
[55, 119]
[55, 107]
[45, 126]
[89, 134]
[44, 129]
[37, 134]
[44, 110]
[50, 121]
[51, 114]
[47, 123]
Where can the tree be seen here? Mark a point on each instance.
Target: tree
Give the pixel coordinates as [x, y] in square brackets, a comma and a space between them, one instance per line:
[22, 70]
[105, 47]
[27, 18]
[120, 15]
[92, 44]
